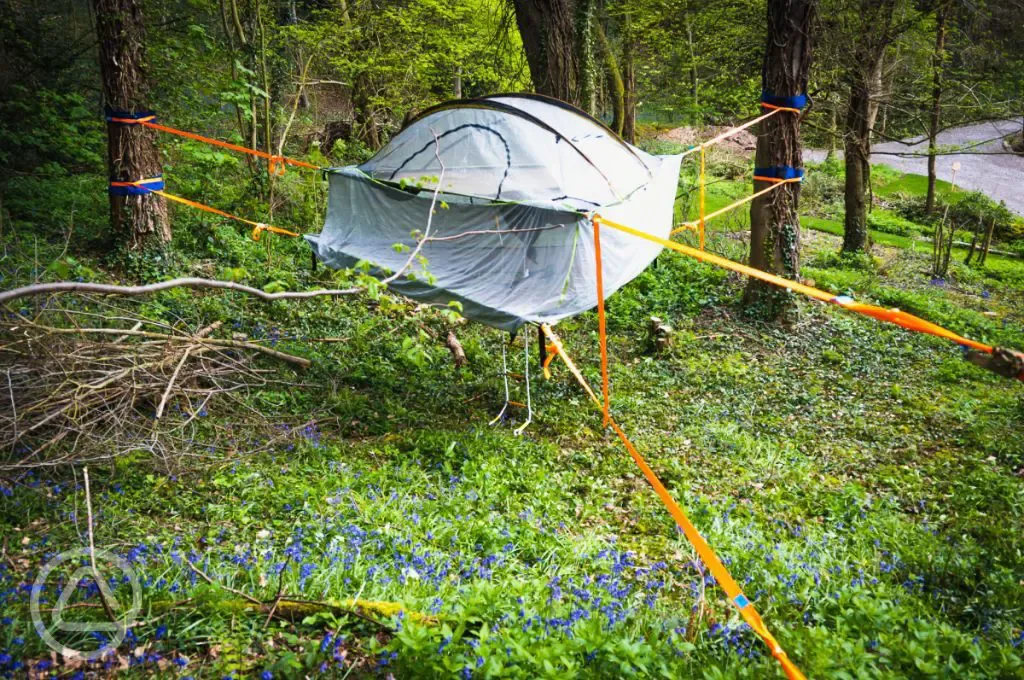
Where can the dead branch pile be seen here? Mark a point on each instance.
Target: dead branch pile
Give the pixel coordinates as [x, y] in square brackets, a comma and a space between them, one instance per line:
[70, 393]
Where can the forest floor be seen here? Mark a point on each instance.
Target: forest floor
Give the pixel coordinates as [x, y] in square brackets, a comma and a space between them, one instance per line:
[865, 486]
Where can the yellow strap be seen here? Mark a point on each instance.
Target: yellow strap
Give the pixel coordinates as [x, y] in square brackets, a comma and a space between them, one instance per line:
[704, 550]
[703, 218]
[903, 319]
[260, 228]
[685, 226]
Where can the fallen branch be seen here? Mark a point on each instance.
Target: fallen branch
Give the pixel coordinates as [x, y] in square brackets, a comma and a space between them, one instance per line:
[111, 289]
[285, 604]
[220, 342]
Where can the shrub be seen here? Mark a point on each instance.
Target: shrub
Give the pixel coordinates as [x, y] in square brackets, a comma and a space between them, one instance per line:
[892, 223]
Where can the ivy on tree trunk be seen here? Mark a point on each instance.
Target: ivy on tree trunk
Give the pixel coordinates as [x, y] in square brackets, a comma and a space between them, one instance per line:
[774, 225]
[131, 150]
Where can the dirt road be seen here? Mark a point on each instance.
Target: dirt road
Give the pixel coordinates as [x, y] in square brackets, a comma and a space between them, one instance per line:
[996, 173]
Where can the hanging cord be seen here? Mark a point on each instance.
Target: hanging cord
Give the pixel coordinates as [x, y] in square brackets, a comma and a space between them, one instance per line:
[529, 404]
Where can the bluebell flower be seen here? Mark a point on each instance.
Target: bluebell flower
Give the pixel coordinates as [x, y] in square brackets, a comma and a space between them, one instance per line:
[266, 675]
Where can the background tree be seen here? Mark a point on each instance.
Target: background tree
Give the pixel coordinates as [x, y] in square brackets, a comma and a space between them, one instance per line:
[774, 223]
[557, 36]
[872, 28]
[132, 153]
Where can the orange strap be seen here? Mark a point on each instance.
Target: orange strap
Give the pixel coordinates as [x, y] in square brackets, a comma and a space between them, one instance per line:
[550, 351]
[706, 553]
[275, 163]
[601, 319]
[760, 178]
[257, 226]
[773, 107]
[908, 321]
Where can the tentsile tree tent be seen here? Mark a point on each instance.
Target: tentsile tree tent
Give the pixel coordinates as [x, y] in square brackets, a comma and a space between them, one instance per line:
[517, 178]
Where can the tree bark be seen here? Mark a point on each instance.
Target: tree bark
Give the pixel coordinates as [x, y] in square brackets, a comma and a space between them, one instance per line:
[864, 73]
[141, 221]
[857, 147]
[774, 224]
[933, 123]
[628, 82]
[548, 29]
[617, 87]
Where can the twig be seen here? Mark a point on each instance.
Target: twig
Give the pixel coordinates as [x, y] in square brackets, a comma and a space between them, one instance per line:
[280, 589]
[170, 384]
[430, 218]
[100, 585]
[209, 580]
[14, 408]
[187, 282]
[121, 339]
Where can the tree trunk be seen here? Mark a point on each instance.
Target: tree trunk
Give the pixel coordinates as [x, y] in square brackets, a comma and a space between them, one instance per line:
[131, 151]
[933, 124]
[629, 83]
[857, 147]
[457, 83]
[548, 30]
[774, 224]
[618, 89]
[864, 71]
[987, 243]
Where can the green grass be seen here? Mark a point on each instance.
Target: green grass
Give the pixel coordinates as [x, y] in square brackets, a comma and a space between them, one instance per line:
[862, 483]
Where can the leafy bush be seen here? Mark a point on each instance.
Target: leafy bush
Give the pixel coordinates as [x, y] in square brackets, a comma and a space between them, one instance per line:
[822, 189]
[890, 223]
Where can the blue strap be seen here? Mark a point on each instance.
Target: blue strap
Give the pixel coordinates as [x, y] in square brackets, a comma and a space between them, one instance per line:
[110, 114]
[148, 185]
[795, 102]
[779, 172]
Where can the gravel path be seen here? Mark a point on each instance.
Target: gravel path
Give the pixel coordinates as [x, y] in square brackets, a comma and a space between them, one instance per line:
[1000, 177]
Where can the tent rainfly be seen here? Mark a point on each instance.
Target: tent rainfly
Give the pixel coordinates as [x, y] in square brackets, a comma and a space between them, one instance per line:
[517, 178]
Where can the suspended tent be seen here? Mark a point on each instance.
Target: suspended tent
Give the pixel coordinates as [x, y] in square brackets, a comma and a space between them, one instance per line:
[516, 178]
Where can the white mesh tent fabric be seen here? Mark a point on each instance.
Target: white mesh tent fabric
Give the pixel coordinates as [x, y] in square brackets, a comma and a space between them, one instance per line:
[517, 178]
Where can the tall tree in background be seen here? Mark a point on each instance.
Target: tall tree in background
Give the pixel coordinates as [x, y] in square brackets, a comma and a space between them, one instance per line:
[935, 118]
[132, 153]
[557, 36]
[872, 32]
[774, 224]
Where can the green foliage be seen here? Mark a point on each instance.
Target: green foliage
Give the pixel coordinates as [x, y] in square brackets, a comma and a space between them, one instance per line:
[890, 223]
